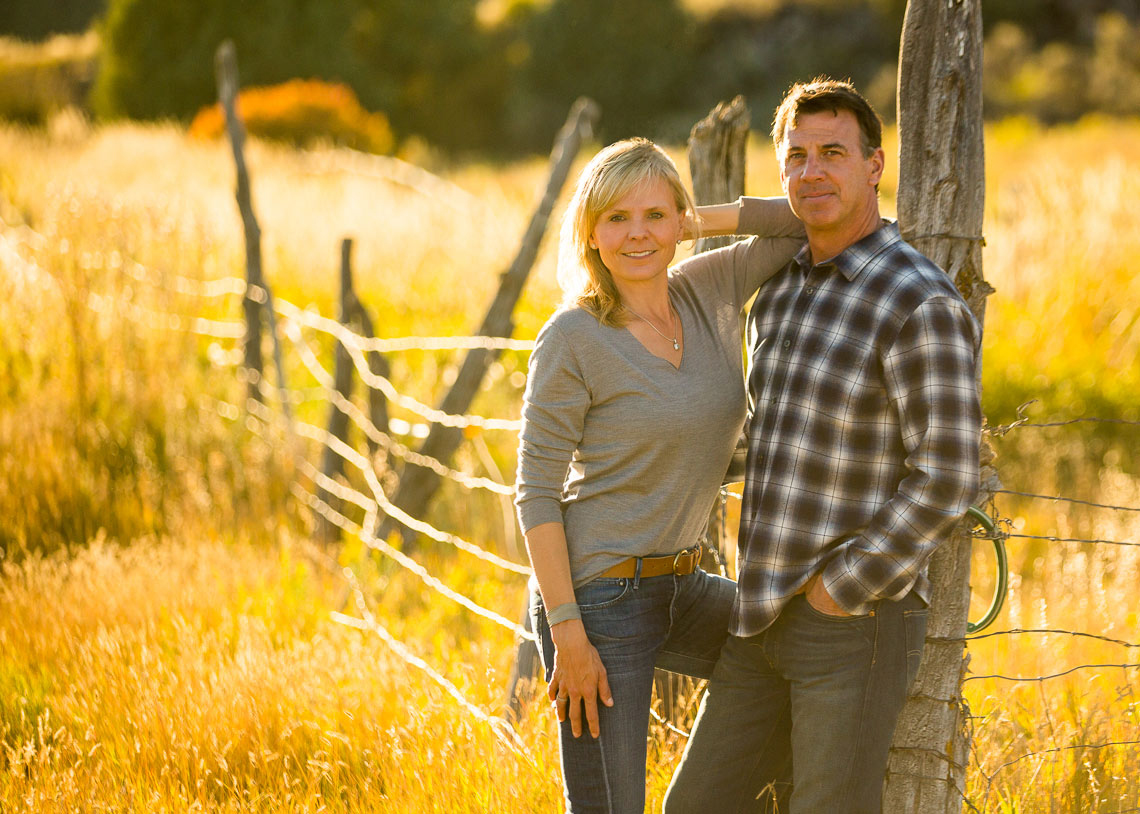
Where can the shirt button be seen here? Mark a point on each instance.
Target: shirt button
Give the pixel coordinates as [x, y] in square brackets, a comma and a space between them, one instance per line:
[787, 343]
[811, 289]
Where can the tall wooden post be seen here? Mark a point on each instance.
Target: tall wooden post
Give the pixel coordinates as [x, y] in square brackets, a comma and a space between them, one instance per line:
[332, 464]
[940, 200]
[717, 159]
[226, 74]
[718, 156]
[258, 294]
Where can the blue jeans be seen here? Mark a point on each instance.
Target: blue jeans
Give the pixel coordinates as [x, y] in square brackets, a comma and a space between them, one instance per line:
[677, 623]
[800, 717]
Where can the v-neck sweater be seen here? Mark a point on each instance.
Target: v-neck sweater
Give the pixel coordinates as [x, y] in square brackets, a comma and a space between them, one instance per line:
[621, 447]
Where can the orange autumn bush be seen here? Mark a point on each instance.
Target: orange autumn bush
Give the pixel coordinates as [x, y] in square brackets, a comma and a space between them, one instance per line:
[300, 112]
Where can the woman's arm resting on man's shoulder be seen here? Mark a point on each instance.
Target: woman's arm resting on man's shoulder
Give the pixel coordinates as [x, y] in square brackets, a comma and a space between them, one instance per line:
[715, 220]
[766, 217]
[578, 670]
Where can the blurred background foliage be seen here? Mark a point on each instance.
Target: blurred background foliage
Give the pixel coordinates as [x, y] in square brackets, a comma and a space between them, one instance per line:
[495, 77]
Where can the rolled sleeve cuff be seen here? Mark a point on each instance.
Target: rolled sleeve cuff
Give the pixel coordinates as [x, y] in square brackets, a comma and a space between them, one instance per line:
[538, 510]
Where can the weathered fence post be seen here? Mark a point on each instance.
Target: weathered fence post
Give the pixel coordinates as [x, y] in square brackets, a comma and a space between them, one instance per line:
[940, 199]
[717, 159]
[257, 291]
[332, 464]
[377, 364]
[718, 146]
[418, 484]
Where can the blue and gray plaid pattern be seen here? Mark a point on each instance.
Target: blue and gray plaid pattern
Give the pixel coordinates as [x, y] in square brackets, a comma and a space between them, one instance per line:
[866, 423]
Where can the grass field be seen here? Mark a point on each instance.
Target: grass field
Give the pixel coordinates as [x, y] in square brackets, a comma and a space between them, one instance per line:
[166, 639]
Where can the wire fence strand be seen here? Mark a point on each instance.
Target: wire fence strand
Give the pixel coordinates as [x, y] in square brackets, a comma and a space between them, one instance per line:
[1068, 500]
[500, 727]
[332, 515]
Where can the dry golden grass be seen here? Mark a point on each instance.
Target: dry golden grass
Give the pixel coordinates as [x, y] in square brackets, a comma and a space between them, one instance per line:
[208, 676]
[198, 668]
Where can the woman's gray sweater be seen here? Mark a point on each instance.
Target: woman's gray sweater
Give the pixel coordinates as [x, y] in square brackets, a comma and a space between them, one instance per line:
[618, 445]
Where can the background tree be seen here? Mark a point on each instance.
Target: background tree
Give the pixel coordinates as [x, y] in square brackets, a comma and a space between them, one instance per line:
[633, 58]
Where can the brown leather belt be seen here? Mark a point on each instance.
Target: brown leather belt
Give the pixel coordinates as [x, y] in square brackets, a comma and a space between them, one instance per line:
[681, 563]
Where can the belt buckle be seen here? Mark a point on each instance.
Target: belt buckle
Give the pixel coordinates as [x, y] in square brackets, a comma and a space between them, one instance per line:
[688, 552]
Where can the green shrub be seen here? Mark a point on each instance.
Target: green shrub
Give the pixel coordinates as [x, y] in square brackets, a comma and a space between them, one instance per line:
[301, 112]
[634, 58]
[39, 80]
[1062, 81]
[435, 69]
[158, 56]
[36, 19]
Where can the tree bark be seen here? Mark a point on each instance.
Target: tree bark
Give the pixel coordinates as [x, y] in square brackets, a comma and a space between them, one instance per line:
[940, 207]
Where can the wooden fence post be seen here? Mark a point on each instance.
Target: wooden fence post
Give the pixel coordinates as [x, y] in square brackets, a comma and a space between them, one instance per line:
[718, 156]
[332, 464]
[225, 70]
[718, 146]
[940, 200]
[257, 291]
[418, 484]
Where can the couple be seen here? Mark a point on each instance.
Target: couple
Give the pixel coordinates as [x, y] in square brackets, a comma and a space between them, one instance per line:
[863, 453]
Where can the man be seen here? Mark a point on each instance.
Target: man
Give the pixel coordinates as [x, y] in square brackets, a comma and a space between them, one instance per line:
[863, 455]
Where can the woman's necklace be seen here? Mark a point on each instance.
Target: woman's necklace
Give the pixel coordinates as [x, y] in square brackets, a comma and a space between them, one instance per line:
[672, 338]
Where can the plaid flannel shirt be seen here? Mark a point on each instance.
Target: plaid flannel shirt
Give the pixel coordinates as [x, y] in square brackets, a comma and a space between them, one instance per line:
[866, 424]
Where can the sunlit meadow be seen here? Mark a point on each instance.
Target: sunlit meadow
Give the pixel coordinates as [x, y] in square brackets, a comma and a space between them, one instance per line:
[166, 632]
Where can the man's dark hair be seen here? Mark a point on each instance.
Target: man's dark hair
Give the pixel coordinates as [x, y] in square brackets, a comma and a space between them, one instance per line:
[826, 94]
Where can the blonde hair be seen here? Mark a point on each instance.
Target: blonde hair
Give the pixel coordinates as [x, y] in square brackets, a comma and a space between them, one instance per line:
[610, 175]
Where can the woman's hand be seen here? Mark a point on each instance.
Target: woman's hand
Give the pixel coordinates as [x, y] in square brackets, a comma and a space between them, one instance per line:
[579, 677]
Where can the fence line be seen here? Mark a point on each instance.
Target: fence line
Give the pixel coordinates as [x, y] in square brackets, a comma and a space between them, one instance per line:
[351, 339]
[361, 462]
[1006, 535]
[1022, 422]
[358, 345]
[1049, 677]
[368, 623]
[332, 515]
[378, 436]
[385, 386]
[1056, 631]
[1068, 500]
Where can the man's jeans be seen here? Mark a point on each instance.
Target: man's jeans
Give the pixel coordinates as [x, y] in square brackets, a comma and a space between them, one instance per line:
[812, 700]
[675, 623]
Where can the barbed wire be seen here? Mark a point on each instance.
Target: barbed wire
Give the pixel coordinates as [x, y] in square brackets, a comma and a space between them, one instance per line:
[385, 386]
[1067, 500]
[381, 438]
[165, 320]
[396, 171]
[1081, 634]
[1052, 750]
[1022, 421]
[1030, 679]
[326, 511]
[362, 463]
[351, 339]
[1050, 538]
[499, 726]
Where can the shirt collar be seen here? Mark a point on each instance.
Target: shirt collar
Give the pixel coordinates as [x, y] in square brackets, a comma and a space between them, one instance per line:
[858, 255]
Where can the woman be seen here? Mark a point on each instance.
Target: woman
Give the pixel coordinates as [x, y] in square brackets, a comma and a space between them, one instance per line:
[633, 406]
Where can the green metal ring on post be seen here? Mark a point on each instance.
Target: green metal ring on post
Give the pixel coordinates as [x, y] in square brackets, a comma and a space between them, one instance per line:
[982, 519]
